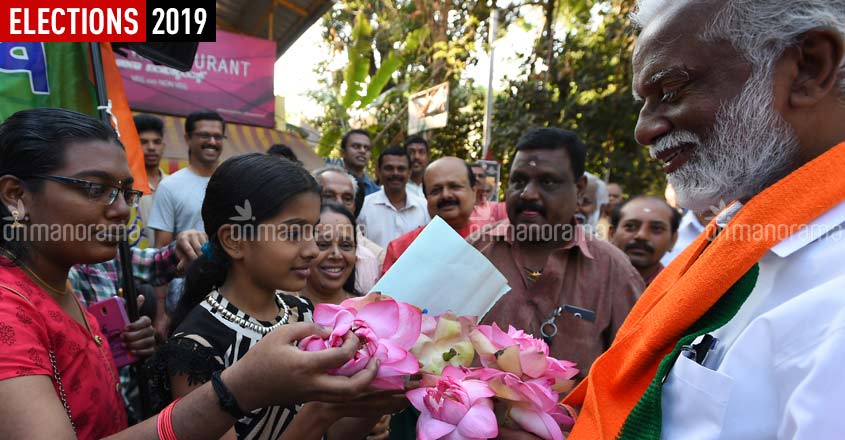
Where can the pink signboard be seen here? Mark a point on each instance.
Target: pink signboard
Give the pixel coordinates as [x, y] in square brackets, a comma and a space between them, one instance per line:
[232, 76]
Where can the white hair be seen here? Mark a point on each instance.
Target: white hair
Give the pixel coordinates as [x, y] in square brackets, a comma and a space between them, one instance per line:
[761, 30]
[601, 199]
[318, 173]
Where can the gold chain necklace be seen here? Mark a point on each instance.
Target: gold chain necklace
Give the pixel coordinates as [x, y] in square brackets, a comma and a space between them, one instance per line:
[45, 284]
[533, 274]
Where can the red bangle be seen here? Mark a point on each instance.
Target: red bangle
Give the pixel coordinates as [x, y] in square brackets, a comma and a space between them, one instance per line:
[165, 423]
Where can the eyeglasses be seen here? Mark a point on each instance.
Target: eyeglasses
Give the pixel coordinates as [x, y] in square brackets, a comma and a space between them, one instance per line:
[206, 136]
[97, 192]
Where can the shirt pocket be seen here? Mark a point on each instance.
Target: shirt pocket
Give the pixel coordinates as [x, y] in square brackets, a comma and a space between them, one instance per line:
[694, 401]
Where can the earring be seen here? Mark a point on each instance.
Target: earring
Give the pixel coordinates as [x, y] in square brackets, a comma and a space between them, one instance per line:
[15, 217]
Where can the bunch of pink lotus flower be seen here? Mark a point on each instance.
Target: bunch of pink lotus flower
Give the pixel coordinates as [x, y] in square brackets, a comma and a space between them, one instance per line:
[386, 328]
[518, 384]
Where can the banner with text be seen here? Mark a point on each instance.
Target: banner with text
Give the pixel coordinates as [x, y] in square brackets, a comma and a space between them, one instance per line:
[232, 76]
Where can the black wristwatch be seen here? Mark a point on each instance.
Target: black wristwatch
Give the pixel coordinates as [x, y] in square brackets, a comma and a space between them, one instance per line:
[225, 397]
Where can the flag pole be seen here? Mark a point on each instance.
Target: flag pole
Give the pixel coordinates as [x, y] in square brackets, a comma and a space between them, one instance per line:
[128, 279]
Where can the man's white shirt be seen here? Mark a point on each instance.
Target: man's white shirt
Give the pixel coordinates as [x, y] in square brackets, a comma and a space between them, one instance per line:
[688, 230]
[383, 223]
[777, 369]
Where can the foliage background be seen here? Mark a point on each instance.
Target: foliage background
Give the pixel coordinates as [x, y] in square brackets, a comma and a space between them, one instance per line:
[578, 76]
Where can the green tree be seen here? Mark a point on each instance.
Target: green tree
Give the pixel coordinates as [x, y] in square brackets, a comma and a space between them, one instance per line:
[396, 49]
[582, 81]
[577, 78]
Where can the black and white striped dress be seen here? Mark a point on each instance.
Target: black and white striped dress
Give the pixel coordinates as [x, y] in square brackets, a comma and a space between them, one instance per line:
[206, 342]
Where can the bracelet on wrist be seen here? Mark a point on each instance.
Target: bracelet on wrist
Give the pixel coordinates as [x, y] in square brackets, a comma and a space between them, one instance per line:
[225, 397]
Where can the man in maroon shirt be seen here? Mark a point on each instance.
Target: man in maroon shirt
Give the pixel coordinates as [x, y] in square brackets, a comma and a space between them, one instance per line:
[566, 286]
[449, 188]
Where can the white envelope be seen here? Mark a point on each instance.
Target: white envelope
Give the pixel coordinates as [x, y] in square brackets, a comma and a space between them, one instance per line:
[441, 272]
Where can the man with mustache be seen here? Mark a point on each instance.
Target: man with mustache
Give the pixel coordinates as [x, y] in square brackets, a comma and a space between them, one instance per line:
[449, 186]
[645, 228]
[742, 336]
[566, 285]
[178, 202]
[393, 210]
[418, 151]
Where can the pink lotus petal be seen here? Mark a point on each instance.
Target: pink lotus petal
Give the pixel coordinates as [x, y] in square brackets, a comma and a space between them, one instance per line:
[479, 421]
[483, 345]
[361, 301]
[427, 325]
[454, 372]
[537, 423]
[416, 398]
[406, 366]
[312, 343]
[327, 314]
[388, 383]
[499, 337]
[429, 428]
[477, 390]
[382, 317]
[533, 363]
[452, 411]
[408, 329]
[352, 366]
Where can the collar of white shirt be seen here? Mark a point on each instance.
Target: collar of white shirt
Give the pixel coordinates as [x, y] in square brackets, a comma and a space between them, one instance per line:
[412, 201]
[830, 221]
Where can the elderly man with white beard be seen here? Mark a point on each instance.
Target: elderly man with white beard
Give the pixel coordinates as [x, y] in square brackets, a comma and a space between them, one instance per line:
[743, 335]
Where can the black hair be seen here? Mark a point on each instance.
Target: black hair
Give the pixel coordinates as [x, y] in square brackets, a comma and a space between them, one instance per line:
[345, 139]
[34, 142]
[145, 122]
[263, 181]
[283, 151]
[470, 176]
[550, 138]
[202, 115]
[415, 139]
[349, 284]
[616, 213]
[394, 151]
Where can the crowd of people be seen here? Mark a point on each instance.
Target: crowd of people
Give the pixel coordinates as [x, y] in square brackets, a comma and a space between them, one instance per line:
[685, 320]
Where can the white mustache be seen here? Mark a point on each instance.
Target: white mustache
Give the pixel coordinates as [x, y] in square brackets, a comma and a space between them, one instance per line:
[672, 140]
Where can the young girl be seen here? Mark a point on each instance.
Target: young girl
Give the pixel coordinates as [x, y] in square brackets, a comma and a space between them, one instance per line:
[332, 277]
[259, 213]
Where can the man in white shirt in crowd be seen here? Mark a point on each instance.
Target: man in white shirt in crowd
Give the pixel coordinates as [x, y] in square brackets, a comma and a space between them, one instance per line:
[692, 225]
[744, 338]
[393, 210]
[418, 151]
[178, 203]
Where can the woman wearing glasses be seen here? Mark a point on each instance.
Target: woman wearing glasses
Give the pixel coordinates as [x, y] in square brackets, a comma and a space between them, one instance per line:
[64, 171]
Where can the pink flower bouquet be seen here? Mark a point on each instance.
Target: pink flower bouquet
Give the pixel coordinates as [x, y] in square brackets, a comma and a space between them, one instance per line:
[387, 330]
[518, 385]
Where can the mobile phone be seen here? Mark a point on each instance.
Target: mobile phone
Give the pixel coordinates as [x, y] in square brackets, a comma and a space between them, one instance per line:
[112, 319]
